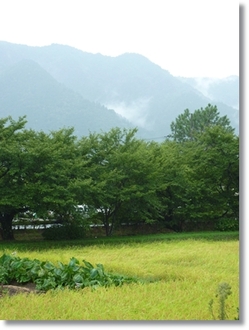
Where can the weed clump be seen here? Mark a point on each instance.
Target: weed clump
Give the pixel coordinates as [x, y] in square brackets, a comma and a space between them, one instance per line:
[223, 291]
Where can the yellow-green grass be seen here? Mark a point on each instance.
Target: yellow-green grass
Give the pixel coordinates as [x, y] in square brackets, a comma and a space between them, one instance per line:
[183, 277]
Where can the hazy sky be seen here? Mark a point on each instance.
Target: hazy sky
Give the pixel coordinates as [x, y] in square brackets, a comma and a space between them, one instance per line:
[188, 38]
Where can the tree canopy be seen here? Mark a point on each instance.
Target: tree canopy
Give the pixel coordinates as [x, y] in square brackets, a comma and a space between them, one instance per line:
[188, 126]
[122, 175]
[188, 180]
[36, 171]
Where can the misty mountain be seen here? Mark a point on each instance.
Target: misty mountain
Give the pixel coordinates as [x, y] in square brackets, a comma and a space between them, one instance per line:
[131, 85]
[224, 90]
[27, 89]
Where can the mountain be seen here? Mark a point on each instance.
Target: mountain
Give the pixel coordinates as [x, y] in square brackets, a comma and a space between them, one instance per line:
[27, 89]
[225, 90]
[137, 91]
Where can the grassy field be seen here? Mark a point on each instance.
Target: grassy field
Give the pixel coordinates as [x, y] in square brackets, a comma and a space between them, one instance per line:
[182, 273]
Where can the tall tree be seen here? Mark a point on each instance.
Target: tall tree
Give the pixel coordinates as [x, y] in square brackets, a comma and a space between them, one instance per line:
[37, 172]
[188, 126]
[11, 183]
[206, 180]
[121, 175]
[175, 185]
[215, 160]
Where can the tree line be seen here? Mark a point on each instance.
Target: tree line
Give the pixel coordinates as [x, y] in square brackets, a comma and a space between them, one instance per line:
[191, 178]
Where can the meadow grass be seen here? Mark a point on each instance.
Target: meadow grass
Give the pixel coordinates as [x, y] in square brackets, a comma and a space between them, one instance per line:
[181, 277]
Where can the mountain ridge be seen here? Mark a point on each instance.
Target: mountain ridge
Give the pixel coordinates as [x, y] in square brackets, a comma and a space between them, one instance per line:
[29, 90]
[141, 92]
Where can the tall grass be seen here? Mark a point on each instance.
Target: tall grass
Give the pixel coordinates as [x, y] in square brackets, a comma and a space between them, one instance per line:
[181, 276]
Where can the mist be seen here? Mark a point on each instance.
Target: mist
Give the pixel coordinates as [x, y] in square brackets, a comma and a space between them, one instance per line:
[136, 111]
[225, 90]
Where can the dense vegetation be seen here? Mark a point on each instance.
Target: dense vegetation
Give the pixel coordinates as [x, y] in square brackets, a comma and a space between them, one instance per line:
[191, 180]
[47, 276]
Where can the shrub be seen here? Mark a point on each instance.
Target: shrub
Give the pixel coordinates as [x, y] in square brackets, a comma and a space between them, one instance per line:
[227, 224]
[64, 232]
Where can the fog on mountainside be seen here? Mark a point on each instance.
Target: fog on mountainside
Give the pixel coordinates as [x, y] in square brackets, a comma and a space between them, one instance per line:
[225, 90]
[27, 89]
[60, 86]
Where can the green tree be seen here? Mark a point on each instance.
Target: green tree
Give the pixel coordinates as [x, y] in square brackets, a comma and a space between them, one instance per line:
[10, 183]
[175, 188]
[37, 172]
[188, 126]
[201, 181]
[121, 174]
[215, 162]
[201, 169]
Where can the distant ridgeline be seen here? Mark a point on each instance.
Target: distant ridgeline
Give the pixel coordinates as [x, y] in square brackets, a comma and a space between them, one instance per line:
[59, 86]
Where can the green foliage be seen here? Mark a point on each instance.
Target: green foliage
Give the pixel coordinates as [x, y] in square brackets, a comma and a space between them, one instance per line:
[64, 232]
[202, 178]
[47, 276]
[123, 176]
[36, 172]
[237, 317]
[190, 180]
[176, 189]
[223, 291]
[188, 126]
[227, 224]
[215, 160]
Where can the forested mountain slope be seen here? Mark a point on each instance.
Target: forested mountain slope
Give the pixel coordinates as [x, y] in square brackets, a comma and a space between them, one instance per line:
[80, 86]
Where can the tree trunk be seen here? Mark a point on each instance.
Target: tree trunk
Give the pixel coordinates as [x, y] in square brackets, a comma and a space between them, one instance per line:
[105, 221]
[108, 227]
[168, 219]
[6, 230]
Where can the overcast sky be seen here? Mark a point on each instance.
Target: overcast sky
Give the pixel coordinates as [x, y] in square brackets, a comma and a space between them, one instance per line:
[189, 38]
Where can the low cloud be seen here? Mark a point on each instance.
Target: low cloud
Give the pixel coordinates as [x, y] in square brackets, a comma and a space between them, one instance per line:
[136, 111]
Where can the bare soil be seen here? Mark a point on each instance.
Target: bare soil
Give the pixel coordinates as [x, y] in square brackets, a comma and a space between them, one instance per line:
[16, 288]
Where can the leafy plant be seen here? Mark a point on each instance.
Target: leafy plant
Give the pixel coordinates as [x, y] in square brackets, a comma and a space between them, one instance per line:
[47, 276]
[227, 224]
